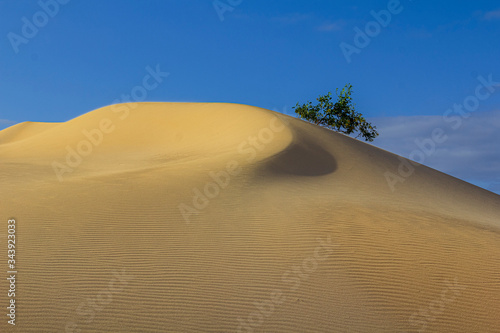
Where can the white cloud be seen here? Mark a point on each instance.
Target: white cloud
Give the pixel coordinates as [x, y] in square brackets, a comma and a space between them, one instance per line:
[331, 26]
[420, 33]
[4, 123]
[471, 152]
[293, 18]
[495, 187]
[492, 15]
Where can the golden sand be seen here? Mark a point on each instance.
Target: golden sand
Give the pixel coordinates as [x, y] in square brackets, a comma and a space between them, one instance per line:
[186, 217]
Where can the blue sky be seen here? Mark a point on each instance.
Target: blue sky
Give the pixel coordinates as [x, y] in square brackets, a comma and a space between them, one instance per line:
[418, 62]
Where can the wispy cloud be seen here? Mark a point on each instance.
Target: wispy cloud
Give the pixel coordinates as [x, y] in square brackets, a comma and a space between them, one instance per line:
[420, 33]
[292, 18]
[4, 123]
[296, 18]
[7, 122]
[492, 15]
[471, 153]
[495, 187]
[331, 26]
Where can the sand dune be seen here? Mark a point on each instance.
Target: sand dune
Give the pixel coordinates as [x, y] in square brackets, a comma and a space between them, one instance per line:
[186, 217]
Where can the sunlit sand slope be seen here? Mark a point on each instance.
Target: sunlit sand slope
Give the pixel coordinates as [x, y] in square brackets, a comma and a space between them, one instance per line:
[186, 217]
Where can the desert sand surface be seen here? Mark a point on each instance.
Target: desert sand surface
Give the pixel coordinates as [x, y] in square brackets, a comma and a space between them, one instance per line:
[214, 217]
